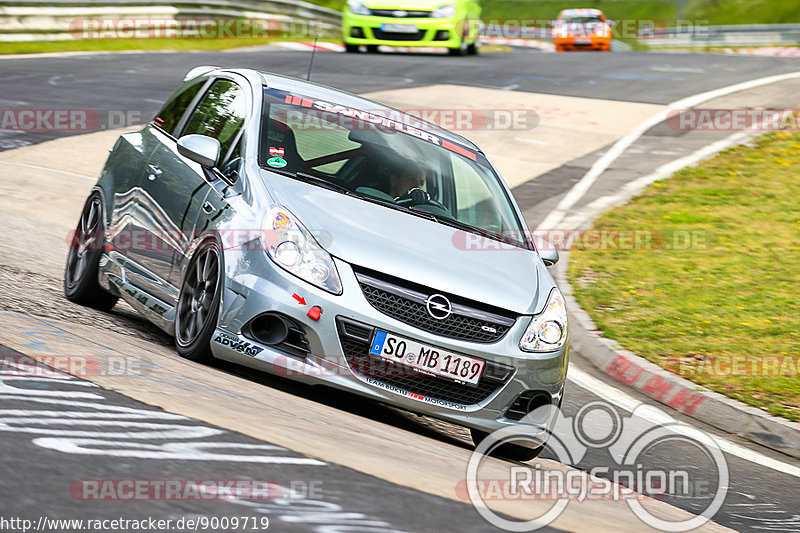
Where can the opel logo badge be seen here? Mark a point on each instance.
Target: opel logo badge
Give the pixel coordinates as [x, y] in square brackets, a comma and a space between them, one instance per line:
[400, 13]
[438, 306]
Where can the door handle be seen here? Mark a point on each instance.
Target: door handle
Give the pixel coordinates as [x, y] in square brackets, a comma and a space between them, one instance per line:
[154, 172]
[208, 208]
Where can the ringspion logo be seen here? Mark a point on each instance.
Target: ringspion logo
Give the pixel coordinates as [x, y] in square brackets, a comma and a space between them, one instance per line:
[629, 442]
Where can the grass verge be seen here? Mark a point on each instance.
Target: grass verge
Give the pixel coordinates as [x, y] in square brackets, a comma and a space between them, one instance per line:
[94, 45]
[743, 11]
[665, 10]
[711, 291]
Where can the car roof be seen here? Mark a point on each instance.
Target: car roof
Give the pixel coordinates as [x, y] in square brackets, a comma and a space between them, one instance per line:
[584, 12]
[338, 96]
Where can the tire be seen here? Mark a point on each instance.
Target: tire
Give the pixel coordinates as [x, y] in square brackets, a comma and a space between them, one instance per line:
[83, 259]
[351, 48]
[460, 51]
[512, 452]
[372, 48]
[474, 48]
[198, 304]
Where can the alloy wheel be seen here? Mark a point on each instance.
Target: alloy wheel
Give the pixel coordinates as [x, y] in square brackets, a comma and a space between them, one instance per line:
[83, 242]
[195, 304]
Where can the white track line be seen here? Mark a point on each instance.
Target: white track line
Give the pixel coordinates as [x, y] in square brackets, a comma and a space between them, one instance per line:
[601, 165]
[54, 170]
[629, 403]
[82, 53]
[586, 214]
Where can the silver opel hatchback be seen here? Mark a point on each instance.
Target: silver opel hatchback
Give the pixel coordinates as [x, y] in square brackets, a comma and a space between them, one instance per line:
[318, 235]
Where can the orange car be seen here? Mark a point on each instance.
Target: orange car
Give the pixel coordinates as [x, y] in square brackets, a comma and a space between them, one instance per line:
[582, 29]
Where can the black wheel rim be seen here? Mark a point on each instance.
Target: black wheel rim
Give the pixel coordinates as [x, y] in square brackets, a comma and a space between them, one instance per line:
[83, 242]
[197, 296]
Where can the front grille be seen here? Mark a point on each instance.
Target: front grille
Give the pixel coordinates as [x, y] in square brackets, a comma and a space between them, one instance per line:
[401, 13]
[355, 339]
[405, 301]
[396, 36]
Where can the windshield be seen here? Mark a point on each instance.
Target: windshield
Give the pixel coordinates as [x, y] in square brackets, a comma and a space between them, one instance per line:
[581, 19]
[386, 158]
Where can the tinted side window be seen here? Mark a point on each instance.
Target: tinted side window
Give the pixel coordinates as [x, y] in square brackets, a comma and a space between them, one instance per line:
[220, 114]
[169, 116]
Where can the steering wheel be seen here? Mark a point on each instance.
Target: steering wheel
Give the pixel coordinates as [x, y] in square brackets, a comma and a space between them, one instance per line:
[417, 196]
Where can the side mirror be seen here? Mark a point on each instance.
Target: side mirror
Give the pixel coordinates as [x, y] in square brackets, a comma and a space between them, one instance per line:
[200, 149]
[547, 251]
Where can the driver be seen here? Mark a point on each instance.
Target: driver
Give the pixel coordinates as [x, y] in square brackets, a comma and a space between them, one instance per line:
[404, 176]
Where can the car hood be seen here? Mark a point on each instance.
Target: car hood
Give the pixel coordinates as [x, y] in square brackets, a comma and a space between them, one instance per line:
[414, 248]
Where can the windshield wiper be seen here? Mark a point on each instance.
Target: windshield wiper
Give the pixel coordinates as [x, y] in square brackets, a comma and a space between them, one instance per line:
[314, 180]
[455, 223]
[322, 182]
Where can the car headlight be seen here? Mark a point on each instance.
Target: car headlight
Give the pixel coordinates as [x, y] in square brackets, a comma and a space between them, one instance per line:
[443, 12]
[290, 245]
[549, 329]
[358, 8]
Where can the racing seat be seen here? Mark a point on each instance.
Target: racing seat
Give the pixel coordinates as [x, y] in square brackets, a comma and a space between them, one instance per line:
[372, 177]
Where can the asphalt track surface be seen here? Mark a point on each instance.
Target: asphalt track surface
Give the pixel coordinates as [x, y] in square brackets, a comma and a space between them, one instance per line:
[140, 82]
[292, 492]
[759, 498]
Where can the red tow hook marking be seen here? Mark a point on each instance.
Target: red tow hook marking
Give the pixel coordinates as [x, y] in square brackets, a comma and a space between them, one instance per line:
[300, 299]
[314, 313]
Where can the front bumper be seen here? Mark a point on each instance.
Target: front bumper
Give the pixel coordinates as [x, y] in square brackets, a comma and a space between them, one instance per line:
[438, 32]
[593, 42]
[253, 290]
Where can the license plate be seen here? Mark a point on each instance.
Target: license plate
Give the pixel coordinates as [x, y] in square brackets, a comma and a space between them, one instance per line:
[583, 41]
[427, 359]
[399, 28]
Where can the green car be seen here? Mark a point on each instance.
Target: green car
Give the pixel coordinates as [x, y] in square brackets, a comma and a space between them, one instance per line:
[453, 24]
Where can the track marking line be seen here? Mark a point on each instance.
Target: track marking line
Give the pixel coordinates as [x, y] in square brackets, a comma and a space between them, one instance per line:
[627, 402]
[588, 213]
[578, 190]
[37, 167]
